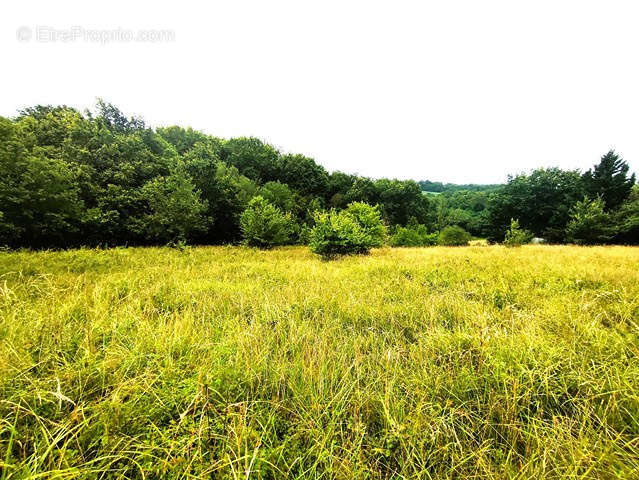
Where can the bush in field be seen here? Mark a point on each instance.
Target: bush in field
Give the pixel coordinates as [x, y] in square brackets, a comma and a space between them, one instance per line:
[454, 236]
[337, 234]
[264, 225]
[370, 219]
[354, 230]
[516, 236]
[413, 236]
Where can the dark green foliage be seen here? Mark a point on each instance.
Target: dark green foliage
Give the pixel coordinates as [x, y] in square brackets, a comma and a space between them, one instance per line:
[252, 157]
[626, 219]
[279, 194]
[466, 209]
[454, 236]
[303, 175]
[176, 210]
[362, 190]
[413, 236]
[113, 176]
[609, 180]
[264, 225]
[589, 223]
[185, 140]
[234, 191]
[439, 187]
[541, 201]
[115, 120]
[402, 200]
[352, 231]
[399, 200]
[104, 178]
[40, 202]
[339, 184]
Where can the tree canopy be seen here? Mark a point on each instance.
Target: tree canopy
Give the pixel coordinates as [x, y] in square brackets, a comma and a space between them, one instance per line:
[609, 180]
[104, 178]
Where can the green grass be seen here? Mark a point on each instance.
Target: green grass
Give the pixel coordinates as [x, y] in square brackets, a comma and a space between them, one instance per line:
[226, 362]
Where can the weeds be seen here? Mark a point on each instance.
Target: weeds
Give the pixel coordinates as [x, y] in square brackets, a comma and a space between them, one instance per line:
[228, 362]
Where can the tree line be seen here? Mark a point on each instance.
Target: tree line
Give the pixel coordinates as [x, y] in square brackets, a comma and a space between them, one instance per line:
[439, 187]
[598, 206]
[100, 178]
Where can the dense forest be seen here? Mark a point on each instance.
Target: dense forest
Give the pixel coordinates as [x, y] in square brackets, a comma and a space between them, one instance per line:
[100, 178]
[439, 187]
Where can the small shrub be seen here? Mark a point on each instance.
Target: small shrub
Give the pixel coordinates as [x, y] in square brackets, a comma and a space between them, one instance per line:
[179, 245]
[405, 237]
[264, 225]
[516, 236]
[454, 236]
[352, 231]
[370, 219]
[413, 236]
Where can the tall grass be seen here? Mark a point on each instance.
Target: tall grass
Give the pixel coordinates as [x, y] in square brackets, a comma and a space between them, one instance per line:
[226, 362]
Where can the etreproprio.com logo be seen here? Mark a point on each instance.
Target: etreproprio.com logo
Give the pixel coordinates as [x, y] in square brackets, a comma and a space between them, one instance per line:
[48, 34]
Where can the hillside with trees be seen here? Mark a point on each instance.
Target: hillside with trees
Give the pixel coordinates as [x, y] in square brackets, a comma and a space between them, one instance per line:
[103, 179]
[439, 187]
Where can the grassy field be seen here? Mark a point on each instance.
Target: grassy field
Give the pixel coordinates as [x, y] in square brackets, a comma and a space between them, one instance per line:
[226, 362]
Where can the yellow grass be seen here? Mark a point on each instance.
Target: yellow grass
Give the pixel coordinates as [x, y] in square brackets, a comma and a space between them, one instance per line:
[226, 362]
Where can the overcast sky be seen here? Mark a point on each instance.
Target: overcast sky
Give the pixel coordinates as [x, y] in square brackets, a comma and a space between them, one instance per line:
[455, 91]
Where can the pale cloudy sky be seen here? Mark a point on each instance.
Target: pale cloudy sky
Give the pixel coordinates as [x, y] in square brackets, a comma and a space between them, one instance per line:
[459, 91]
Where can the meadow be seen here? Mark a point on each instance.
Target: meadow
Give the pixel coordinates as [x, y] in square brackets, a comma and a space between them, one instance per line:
[478, 362]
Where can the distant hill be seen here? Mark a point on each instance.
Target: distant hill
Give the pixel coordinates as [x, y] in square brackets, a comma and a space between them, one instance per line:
[439, 187]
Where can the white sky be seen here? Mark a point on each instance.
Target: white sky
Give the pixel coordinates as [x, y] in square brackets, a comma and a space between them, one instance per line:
[450, 90]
